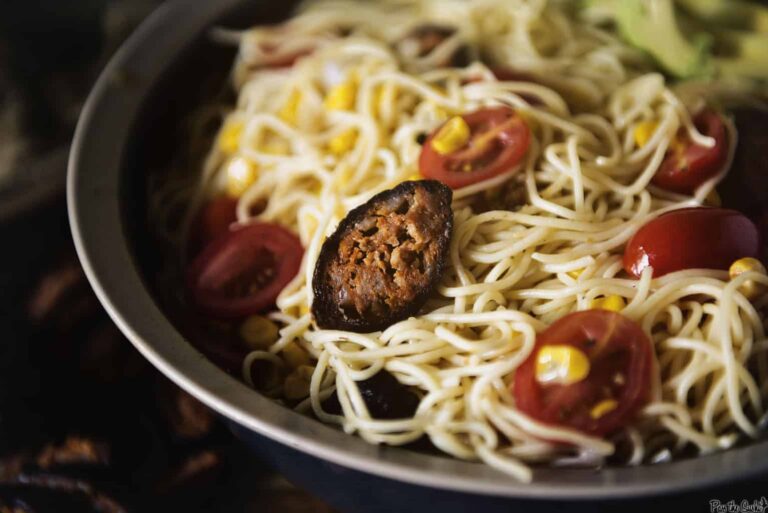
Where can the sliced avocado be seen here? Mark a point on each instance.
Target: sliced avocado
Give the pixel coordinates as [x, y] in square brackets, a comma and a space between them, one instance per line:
[651, 25]
[742, 53]
[733, 14]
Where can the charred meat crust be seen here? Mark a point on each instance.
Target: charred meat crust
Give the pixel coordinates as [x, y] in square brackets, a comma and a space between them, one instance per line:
[384, 259]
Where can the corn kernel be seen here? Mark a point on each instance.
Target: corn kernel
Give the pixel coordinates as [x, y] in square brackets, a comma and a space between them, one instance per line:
[229, 137]
[241, 174]
[343, 142]
[561, 364]
[452, 135]
[303, 310]
[295, 355]
[603, 407]
[296, 384]
[644, 131]
[341, 96]
[575, 274]
[258, 332]
[713, 199]
[749, 288]
[289, 111]
[613, 303]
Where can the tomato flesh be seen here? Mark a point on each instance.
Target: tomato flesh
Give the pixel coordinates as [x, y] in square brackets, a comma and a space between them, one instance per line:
[242, 272]
[498, 141]
[620, 357]
[691, 238]
[688, 165]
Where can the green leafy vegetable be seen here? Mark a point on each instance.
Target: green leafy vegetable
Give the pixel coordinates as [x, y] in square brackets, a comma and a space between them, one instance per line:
[692, 38]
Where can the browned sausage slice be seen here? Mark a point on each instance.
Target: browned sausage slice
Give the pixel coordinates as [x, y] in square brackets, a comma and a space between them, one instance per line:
[385, 258]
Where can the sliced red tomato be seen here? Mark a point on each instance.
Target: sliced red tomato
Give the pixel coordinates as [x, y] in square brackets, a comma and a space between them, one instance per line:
[242, 272]
[616, 386]
[688, 165]
[213, 220]
[498, 141]
[691, 238]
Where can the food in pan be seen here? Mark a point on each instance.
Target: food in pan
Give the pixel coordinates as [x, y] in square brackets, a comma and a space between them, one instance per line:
[489, 225]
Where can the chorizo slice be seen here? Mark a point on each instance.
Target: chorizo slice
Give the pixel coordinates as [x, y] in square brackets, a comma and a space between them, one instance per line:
[384, 259]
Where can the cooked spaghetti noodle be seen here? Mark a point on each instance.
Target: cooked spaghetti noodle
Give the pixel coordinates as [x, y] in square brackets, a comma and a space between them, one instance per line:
[510, 273]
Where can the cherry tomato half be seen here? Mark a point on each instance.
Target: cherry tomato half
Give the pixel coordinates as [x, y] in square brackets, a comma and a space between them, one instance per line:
[498, 141]
[691, 238]
[213, 220]
[619, 376]
[242, 272]
[688, 165]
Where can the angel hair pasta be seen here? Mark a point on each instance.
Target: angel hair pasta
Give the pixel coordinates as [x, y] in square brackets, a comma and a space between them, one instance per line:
[542, 330]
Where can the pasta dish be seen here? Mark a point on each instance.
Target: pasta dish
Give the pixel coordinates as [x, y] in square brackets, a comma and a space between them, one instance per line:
[489, 228]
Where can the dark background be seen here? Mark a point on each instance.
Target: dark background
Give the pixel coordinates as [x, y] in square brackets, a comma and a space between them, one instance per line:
[85, 423]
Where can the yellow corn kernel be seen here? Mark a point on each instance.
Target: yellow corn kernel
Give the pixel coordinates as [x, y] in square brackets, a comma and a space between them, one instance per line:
[303, 310]
[295, 355]
[229, 136]
[713, 199]
[561, 364]
[602, 408]
[258, 332]
[241, 174]
[296, 384]
[452, 135]
[341, 96]
[289, 111]
[644, 131]
[749, 288]
[343, 142]
[575, 274]
[613, 303]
